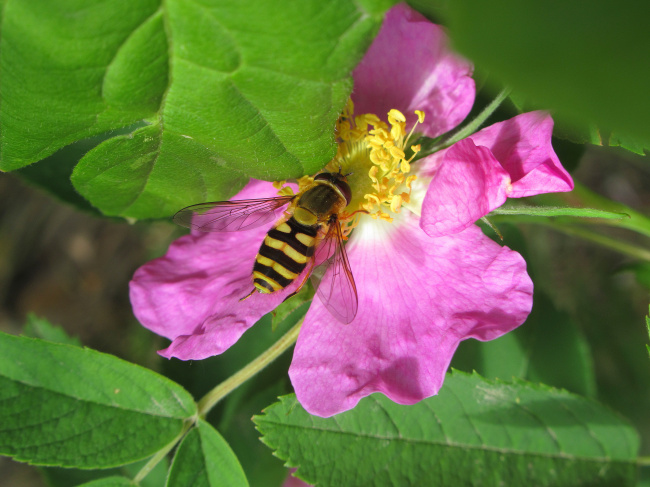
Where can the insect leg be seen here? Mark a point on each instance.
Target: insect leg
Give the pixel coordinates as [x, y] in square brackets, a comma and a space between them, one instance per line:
[248, 295]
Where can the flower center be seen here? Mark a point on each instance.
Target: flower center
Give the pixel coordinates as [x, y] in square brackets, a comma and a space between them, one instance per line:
[371, 154]
[374, 153]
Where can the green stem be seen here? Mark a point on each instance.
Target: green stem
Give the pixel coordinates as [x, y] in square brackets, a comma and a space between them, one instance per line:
[208, 401]
[584, 197]
[609, 242]
[612, 243]
[471, 127]
[160, 454]
[643, 461]
[220, 391]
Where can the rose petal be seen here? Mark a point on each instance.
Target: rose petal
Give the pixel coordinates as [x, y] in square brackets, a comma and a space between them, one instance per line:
[510, 159]
[410, 67]
[191, 295]
[418, 298]
[523, 147]
[469, 184]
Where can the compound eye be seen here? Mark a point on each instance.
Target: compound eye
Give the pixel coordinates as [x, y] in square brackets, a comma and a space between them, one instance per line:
[324, 176]
[344, 188]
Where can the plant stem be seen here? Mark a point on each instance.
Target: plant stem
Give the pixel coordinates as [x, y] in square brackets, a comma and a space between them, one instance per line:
[220, 391]
[578, 231]
[609, 242]
[208, 401]
[582, 196]
[160, 454]
[471, 127]
[480, 119]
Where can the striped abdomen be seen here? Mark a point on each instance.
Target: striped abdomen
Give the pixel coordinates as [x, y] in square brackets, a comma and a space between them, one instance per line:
[284, 254]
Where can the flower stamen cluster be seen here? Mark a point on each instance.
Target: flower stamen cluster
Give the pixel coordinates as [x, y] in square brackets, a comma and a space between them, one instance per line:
[374, 152]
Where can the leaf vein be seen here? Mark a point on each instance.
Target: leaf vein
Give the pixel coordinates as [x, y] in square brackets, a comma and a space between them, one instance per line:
[119, 48]
[560, 454]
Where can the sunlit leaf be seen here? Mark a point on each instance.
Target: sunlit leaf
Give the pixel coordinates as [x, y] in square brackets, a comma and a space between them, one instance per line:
[228, 90]
[68, 406]
[204, 458]
[475, 432]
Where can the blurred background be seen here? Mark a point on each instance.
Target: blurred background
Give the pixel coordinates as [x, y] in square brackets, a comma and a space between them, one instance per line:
[72, 268]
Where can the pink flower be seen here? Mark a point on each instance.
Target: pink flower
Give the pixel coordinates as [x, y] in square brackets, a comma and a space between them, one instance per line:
[424, 283]
[510, 159]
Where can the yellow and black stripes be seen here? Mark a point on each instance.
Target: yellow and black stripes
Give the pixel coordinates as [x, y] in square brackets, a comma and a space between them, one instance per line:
[284, 254]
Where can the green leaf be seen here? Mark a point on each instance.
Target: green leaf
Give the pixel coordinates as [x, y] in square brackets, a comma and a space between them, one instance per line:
[52, 174]
[475, 432]
[204, 458]
[554, 53]
[230, 90]
[41, 328]
[129, 176]
[587, 134]
[67, 406]
[262, 468]
[232, 415]
[637, 145]
[56, 61]
[555, 211]
[65, 477]
[110, 482]
[581, 196]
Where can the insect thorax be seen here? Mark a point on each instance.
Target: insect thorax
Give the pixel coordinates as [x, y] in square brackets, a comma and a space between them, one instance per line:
[318, 203]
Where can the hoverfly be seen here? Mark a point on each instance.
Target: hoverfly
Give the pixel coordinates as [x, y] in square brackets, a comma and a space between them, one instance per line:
[309, 235]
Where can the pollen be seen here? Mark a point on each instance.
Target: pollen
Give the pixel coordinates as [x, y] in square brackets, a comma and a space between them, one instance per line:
[375, 153]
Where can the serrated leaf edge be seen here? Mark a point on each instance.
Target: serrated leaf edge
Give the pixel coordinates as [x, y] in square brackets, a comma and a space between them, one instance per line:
[260, 419]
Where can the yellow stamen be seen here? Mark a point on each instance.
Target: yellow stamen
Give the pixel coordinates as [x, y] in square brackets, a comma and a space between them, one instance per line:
[396, 203]
[374, 151]
[397, 153]
[396, 115]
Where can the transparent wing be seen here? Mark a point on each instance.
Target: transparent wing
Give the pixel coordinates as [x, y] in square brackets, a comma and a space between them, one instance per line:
[231, 216]
[332, 276]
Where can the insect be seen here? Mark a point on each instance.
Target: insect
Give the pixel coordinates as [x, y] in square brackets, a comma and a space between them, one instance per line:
[308, 236]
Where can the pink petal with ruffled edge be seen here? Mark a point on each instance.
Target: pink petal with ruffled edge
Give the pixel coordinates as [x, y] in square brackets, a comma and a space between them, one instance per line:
[509, 159]
[418, 298]
[523, 147]
[191, 295]
[468, 185]
[410, 67]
